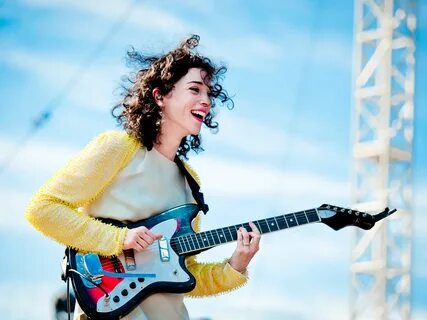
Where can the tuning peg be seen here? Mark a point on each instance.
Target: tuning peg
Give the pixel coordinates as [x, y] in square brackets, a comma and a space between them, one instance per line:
[364, 215]
[342, 210]
[350, 211]
[357, 213]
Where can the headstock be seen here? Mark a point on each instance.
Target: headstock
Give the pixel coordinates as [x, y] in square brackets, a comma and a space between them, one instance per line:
[338, 218]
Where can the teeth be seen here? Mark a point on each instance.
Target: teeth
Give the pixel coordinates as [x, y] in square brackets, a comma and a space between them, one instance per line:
[199, 113]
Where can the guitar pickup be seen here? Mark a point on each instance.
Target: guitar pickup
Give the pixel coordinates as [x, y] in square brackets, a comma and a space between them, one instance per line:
[164, 250]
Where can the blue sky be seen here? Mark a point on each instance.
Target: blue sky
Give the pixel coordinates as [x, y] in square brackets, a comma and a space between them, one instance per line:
[285, 147]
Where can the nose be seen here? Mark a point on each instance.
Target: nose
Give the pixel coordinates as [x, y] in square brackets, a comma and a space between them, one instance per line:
[205, 101]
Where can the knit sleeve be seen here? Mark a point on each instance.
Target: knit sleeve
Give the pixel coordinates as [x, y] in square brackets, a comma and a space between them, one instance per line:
[53, 210]
[213, 278]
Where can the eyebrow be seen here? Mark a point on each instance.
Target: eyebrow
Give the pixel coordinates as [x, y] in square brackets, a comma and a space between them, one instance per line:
[198, 82]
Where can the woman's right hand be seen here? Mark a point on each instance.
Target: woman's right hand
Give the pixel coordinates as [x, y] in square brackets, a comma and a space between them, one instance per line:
[139, 238]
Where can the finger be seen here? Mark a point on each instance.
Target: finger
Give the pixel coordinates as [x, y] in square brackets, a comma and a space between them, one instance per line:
[245, 235]
[153, 235]
[239, 238]
[255, 237]
[146, 237]
[137, 246]
[254, 227]
[144, 244]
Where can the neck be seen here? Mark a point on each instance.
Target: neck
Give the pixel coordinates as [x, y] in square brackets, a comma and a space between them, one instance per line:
[196, 242]
[167, 146]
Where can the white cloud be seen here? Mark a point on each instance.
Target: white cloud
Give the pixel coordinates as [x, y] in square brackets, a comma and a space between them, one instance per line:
[141, 15]
[245, 51]
[94, 86]
[224, 176]
[251, 302]
[38, 158]
[256, 138]
[39, 300]
[12, 211]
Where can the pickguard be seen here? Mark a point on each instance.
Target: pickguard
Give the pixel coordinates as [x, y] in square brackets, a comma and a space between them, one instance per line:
[147, 261]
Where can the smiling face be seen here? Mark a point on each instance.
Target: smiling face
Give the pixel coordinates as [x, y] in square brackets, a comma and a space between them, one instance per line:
[185, 106]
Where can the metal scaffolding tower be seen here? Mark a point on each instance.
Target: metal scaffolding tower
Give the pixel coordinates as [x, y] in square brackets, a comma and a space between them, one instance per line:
[382, 156]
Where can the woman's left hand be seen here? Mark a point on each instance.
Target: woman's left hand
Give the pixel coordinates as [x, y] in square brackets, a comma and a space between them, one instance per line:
[247, 247]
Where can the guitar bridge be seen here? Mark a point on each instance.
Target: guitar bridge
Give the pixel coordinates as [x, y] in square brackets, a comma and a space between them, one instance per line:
[90, 266]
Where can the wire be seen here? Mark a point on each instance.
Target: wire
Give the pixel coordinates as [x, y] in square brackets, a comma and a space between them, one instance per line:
[46, 114]
[293, 119]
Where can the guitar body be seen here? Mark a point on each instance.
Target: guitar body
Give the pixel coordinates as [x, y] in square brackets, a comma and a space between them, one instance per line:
[161, 259]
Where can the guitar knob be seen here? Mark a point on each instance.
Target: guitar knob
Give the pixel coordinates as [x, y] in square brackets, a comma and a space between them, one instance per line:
[124, 292]
[116, 299]
[132, 285]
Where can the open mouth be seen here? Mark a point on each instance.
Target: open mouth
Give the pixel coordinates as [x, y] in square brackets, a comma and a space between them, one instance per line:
[199, 115]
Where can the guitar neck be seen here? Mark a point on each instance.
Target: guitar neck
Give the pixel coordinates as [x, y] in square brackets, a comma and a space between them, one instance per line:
[196, 242]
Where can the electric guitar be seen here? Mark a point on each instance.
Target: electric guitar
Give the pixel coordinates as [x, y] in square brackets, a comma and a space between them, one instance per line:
[109, 288]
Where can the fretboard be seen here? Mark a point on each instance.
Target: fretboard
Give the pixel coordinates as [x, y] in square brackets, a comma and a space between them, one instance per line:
[195, 242]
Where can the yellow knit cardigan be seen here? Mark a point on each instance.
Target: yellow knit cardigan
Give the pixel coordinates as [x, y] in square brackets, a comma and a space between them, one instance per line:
[54, 210]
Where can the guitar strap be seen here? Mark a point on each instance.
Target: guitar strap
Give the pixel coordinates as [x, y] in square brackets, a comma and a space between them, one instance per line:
[194, 186]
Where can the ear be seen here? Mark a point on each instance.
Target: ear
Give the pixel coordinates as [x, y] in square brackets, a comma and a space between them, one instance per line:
[157, 96]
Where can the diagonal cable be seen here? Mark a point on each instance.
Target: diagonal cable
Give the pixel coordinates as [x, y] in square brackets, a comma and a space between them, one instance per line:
[46, 114]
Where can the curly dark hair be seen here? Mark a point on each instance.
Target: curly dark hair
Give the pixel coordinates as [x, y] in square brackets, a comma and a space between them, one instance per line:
[139, 114]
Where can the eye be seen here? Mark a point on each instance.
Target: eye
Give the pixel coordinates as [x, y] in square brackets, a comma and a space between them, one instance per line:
[195, 89]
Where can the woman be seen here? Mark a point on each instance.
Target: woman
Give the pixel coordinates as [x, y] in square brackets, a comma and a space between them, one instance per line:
[132, 175]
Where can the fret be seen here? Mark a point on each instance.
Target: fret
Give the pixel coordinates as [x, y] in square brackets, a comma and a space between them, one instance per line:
[205, 240]
[238, 226]
[272, 224]
[258, 225]
[199, 240]
[263, 226]
[247, 226]
[181, 249]
[301, 218]
[290, 220]
[312, 216]
[215, 237]
[190, 243]
[281, 222]
[220, 235]
[231, 235]
[266, 223]
[187, 247]
[210, 238]
[296, 220]
[194, 239]
[235, 232]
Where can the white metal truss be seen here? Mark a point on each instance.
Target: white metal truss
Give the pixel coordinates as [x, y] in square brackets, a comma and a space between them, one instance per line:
[382, 156]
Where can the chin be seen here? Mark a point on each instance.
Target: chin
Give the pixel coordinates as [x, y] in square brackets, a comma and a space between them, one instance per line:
[196, 131]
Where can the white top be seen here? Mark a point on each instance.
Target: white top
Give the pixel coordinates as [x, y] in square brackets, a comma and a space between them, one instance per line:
[149, 184]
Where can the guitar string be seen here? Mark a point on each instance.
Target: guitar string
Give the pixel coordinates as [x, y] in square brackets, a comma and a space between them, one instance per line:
[194, 239]
[220, 231]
